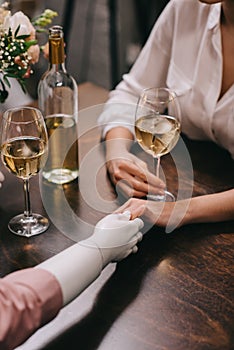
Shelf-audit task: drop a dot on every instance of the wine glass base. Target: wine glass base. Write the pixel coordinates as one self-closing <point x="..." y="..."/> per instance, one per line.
<point x="28" y="226"/>
<point x="60" y="176"/>
<point x="166" y="197"/>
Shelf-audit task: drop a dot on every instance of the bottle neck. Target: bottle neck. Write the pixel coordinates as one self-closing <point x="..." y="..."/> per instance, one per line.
<point x="57" y="67"/>
<point x="56" y="52"/>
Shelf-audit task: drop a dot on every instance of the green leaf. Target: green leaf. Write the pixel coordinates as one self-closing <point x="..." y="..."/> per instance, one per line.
<point x="30" y="43"/>
<point x="6" y="81"/>
<point x="41" y="30"/>
<point x="17" y="30"/>
<point x="10" y="75"/>
<point x="3" y="92"/>
<point x="22" y="84"/>
<point x="22" y="37"/>
<point x="3" y="95"/>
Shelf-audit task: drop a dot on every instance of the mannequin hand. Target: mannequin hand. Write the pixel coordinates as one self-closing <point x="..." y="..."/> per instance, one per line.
<point x="115" y="236"/>
<point x="1" y="178"/>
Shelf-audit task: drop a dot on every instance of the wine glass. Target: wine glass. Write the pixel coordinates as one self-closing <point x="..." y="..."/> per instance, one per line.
<point x="24" y="143"/>
<point x="157" y="127"/>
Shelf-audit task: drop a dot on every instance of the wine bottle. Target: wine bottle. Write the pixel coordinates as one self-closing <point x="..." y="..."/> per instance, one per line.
<point x="58" y="101"/>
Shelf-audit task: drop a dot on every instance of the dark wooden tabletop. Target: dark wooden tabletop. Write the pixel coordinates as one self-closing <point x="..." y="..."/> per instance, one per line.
<point x="176" y="293"/>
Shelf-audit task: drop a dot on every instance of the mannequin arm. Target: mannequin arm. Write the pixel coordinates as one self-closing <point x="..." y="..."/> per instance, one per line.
<point x="114" y="238"/>
<point x="75" y="268"/>
<point x="32" y="297"/>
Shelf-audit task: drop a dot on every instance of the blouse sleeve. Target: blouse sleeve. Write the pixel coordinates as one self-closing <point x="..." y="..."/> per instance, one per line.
<point x="149" y="70"/>
<point x="29" y="298"/>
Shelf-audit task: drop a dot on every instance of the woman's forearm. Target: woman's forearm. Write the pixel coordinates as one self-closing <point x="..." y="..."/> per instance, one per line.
<point x="118" y="140"/>
<point x="119" y="132"/>
<point x="211" y="208"/>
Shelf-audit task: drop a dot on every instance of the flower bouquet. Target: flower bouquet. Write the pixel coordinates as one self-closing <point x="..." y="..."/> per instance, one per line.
<point x="18" y="45"/>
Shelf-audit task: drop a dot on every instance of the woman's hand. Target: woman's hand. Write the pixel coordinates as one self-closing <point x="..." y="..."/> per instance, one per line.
<point x="132" y="177"/>
<point x="163" y="214"/>
<point x="157" y="213"/>
<point x="127" y="172"/>
<point x="214" y="207"/>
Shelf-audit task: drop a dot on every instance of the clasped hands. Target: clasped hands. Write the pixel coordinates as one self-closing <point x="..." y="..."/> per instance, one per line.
<point x="115" y="236"/>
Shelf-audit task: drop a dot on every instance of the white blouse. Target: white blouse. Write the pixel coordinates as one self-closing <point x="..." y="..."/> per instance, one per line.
<point x="184" y="53"/>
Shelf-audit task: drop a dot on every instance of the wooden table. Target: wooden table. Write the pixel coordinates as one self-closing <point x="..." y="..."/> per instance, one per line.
<point x="176" y="293"/>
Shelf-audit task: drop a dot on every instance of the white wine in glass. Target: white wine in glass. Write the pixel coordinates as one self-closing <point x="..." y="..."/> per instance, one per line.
<point x="24" y="143"/>
<point x="157" y="127"/>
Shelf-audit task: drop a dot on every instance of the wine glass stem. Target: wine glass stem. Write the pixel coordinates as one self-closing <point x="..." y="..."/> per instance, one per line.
<point x="157" y="165"/>
<point x="28" y="210"/>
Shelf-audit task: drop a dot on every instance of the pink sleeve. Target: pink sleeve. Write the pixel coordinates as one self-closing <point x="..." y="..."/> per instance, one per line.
<point x="28" y="299"/>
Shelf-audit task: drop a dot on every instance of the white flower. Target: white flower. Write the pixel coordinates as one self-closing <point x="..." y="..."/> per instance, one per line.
<point x="26" y="27"/>
<point x="5" y="15"/>
<point x="18" y="45"/>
